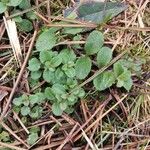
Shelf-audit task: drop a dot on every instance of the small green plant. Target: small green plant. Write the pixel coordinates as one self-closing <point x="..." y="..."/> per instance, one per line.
<point x="29" y="105"/>
<point x="33" y="136"/>
<point x="16" y="6"/>
<point x="4" y="136"/>
<point x="63" y="71"/>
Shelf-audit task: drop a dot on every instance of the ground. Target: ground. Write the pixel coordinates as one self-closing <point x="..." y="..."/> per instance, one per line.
<point x="106" y="113"/>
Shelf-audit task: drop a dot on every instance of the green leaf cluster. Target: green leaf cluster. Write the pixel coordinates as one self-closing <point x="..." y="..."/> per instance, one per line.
<point x="33" y="136"/>
<point x="29" y="105"/>
<point x="64" y="70"/>
<point x="24" y="23"/>
<point x="4" y="136"/>
<point x="58" y="70"/>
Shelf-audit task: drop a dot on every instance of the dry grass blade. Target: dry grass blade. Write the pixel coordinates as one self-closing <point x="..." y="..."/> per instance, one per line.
<point x="14" y="40"/>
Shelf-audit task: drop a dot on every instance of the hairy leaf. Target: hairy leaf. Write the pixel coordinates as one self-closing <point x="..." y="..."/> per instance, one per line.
<point x="94" y="42"/>
<point x="83" y="67"/>
<point x="104" y="80"/>
<point x="104" y="56"/>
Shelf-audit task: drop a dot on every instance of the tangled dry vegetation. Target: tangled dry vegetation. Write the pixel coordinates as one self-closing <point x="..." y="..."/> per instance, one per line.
<point x="101" y="120"/>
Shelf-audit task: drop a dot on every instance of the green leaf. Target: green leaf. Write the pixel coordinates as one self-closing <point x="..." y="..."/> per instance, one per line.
<point x="37" y="98"/>
<point x="3" y="7"/>
<point x="33" y="137"/>
<point x="31" y="15"/>
<point x="17" y="108"/>
<point x="49" y="94"/>
<point x="72" y="98"/>
<point x="46" y="40"/>
<point x="48" y="75"/>
<point x="26" y="102"/>
<point x="104" y="80"/>
<point x="36" y="112"/>
<point x="56" y="61"/>
<point x="104" y="56"/>
<point x="81" y="93"/>
<point x="14" y="2"/>
<point x="25" y="4"/>
<point x="18" y="101"/>
<point x="67" y="55"/>
<point x="25" y="110"/>
<point x="17" y="18"/>
<point x="25" y="25"/>
<point x="34" y="64"/>
<point x="36" y="74"/>
<point x="58" y="89"/>
<point x="95" y="12"/>
<point x="63" y="105"/>
<point x="72" y="82"/>
<point x="70" y="72"/>
<point x="56" y="109"/>
<point x="45" y="56"/>
<point x="124" y="80"/>
<point x="59" y="75"/>
<point x="83" y="67"/>
<point x="4" y="136"/>
<point x="94" y="42"/>
<point x="118" y="68"/>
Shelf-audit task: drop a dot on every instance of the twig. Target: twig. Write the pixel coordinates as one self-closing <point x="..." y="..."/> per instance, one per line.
<point x="73" y="25"/>
<point x="10" y="146"/>
<point x="67" y="138"/>
<point x="19" y="120"/>
<point x="97" y="120"/>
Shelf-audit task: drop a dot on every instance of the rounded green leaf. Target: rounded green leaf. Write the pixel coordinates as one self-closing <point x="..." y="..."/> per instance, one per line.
<point x="63" y="105"/>
<point x="125" y="80"/>
<point x="104" y="56"/>
<point x="56" y="61"/>
<point x="33" y="137"/>
<point x="94" y="42"/>
<point x="56" y="109"/>
<point x="25" y="25"/>
<point x="83" y="67"/>
<point x="14" y="2"/>
<point x="36" y="112"/>
<point x="104" y="80"/>
<point x="49" y="94"/>
<point x="36" y="74"/>
<point x="70" y="72"/>
<point x="45" y="56"/>
<point x="46" y="41"/>
<point x="18" y="101"/>
<point x="25" y="110"/>
<point x="3" y="7"/>
<point x="48" y="75"/>
<point x="25" y="4"/>
<point x="58" y="89"/>
<point x="31" y="15"/>
<point x="118" y="68"/>
<point x="81" y="93"/>
<point x="67" y="55"/>
<point x="34" y="64"/>
<point x="37" y="98"/>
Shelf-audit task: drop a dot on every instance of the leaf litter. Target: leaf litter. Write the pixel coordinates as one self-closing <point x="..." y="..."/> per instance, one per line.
<point x="108" y="119"/>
